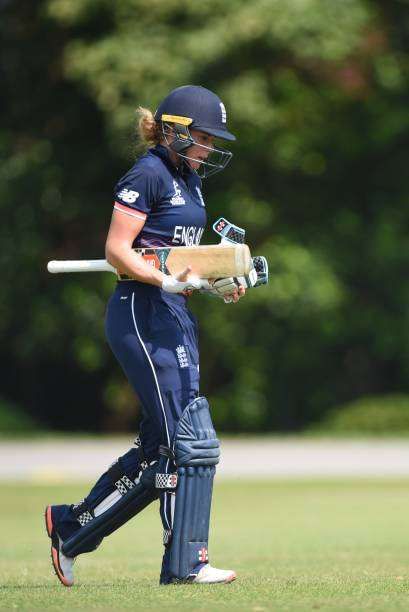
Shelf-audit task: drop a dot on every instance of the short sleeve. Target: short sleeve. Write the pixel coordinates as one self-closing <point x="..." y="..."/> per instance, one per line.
<point x="136" y="191"/>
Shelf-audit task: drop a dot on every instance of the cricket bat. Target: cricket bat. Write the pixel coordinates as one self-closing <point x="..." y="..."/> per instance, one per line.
<point x="208" y="261"/>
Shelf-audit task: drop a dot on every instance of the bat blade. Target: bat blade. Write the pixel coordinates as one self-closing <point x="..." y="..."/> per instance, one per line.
<point x="210" y="261"/>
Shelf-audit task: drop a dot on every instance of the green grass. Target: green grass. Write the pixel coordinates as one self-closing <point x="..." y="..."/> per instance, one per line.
<point x="295" y="546"/>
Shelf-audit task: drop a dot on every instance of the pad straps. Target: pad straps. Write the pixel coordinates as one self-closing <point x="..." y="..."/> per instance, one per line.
<point x="119" y="478"/>
<point x="122" y="480"/>
<point x="118" y="508"/>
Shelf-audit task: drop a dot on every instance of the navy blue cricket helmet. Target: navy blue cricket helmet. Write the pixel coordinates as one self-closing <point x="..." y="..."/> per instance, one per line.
<point x="198" y="108"/>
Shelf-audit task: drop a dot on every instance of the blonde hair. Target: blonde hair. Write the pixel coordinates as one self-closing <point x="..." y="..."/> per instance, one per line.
<point x="148" y="129"/>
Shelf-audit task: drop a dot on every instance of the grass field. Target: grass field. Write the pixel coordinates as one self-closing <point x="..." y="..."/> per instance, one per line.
<point x="295" y="546"/>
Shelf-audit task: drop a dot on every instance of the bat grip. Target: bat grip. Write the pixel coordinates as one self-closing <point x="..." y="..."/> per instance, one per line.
<point x="91" y="265"/>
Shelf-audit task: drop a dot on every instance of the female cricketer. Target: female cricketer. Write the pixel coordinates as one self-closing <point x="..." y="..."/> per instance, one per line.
<point x="154" y="337"/>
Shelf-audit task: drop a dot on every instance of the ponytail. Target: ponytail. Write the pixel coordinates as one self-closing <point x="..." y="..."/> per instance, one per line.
<point x="148" y="129"/>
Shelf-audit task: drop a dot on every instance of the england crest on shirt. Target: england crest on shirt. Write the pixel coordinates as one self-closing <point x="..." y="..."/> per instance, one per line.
<point x="177" y="199"/>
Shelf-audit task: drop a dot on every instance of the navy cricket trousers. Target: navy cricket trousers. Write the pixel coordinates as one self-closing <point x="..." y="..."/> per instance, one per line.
<point x="154" y="337"/>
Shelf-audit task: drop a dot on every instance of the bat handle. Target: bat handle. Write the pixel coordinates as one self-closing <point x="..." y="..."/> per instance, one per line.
<point x="90" y="265"/>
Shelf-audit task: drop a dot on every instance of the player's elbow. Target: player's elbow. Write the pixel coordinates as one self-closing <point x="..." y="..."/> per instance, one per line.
<point x="117" y="250"/>
<point x="111" y="252"/>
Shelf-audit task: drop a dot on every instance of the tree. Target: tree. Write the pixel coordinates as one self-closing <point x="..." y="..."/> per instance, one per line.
<point x="317" y="92"/>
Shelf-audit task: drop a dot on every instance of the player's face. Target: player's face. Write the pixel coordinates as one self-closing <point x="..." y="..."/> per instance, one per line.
<point x="197" y="151"/>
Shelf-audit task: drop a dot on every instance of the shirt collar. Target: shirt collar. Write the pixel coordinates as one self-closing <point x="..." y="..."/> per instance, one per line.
<point x="184" y="170"/>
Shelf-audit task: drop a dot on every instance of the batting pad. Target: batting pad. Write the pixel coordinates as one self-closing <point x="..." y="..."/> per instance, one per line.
<point x="101" y="526"/>
<point x="197" y="451"/>
<point x="133" y="501"/>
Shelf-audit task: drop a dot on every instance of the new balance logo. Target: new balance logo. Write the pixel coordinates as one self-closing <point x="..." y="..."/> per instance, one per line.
<point x="128" y="196"/>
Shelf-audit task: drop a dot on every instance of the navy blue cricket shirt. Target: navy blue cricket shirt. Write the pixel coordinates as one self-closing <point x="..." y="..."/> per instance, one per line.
<point x="170" y="200"/>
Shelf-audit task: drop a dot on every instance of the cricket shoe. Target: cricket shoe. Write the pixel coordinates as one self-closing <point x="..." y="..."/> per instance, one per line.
<point x="62" y="564"/>
<point x="211" y="575"/>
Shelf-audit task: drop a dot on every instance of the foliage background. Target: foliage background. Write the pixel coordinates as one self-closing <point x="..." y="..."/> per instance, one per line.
<point x="317" y="91"/>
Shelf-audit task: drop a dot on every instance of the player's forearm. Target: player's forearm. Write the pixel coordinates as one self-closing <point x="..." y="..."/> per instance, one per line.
<point x="124" y="259"/>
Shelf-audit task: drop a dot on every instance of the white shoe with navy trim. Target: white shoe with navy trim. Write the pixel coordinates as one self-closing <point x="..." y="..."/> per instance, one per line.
<point x="212" y="575"/>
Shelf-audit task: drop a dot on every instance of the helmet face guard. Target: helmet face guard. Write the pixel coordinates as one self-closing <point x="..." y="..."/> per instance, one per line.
<point x="179" y="139"/>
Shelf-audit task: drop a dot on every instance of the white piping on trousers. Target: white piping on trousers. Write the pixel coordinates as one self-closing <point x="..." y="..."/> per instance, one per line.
<point x="159" y="394"/>
<point x="172" y="506"/>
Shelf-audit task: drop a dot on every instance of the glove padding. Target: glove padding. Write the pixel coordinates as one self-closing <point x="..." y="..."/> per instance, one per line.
<point x="221" y="288"/>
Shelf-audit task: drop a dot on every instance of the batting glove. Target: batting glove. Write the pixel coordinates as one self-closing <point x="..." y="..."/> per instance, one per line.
<point x="173" y="285"/>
